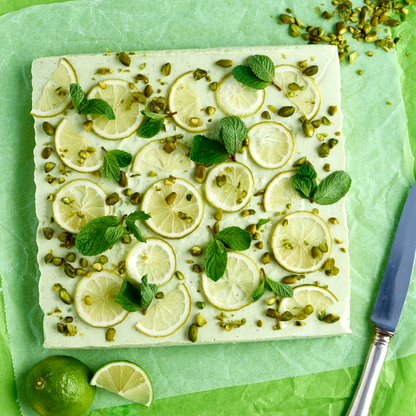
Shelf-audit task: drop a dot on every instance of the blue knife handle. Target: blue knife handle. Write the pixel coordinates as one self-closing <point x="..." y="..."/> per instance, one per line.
<point x="361" y="403"/>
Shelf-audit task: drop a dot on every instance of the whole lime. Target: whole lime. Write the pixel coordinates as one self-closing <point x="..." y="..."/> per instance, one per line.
<point x="60" y="386"/>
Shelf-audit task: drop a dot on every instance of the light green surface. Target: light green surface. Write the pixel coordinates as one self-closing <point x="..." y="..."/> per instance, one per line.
<point x="191" y="374"/>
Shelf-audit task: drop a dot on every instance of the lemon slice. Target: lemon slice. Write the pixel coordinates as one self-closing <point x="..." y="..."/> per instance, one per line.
<point x="270" y="144"/>
<point x="126" y="109"/>
<point x="102" y="288"/>
<point x="185" y="101"/>
<point x="167" y="315"/>
<point x="280" y="191"/>
<point x="152" y="157"/>
<point x="155" y="258"/>
<point x="303" y="231"/>
<point x="70" y="146"/>
<point x="77" y="203"/>
<point x="236" y="99"/>
<point x="126" y="379"/>
<point x="237" y="190"/>
<point x="304" y="295"/>
<point x="233" y="291"/>
<point x="55" y="95"/>
<point x="308" y="100"/>
<point x="178" y="219"/>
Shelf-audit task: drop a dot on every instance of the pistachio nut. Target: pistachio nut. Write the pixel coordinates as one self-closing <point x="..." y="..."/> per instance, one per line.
<point x="65" y="296"/>
<point x="310" y="71"/>
<point x="308" y="128"/>
<point x="299" y="162"/>
<point x="87" y="125"/>
<point x="285" y="223"/>
<point x="331" y="319"/>
<point x="171" y="198"/>
<point x="265" y="115"/>
<point x="287" y="19"/>
<point x="272" y="109"/>
<point x="80" y="272"/>
<point x="213" y="86"/>
<point x="326" y="121"/>
<point x="341" y="56"/>
<point x="200" y="320"/>
<point x="286" y="111"/>
<point x="46" y="152"/>
<point x="169" y="147"/>
<point x="68" y="319"/>
<point x="352" y="57"/>
<point x="327" y="167"/>
<point x="126" y="239"/>
<point x="289" y="280"/>
<point x="199" y="74"/>
<point x="69" y="270"/>
<point x="48" y="128"/>
<point x="252" y="228"/>
<point x="200" y="305"/>
<point x="57" y="261"/>
<point x="135" y="198"/>
<point x="221" y="180"/>
<point x="225" y="63"/>
<point x="329" y="264"/>
<point x="308" y="309"/>
<point x="196" y="268"/>
<point x="332" y="110"/>
<point x="334" y="271"/>
<point x="193" y="333"/>
<point x="139" y="97"/>
<point x="159" y="295"/>
<point x="126" y="192"/>
<point x="266" y="258"/>
<point x="83" y="262"/>
<point x="332" y="143"/>
<point x="217" y="227"/>
<point x="272" y="313"/>
<point x="371" y="37"/>
<point x="179" y="275"/>
<point x="260" y="323"/>
<point x="57" y="287"/>
<point x="166" y="69"/>
<point x="98" y="267"/>
<point x="256" y="236"/>
<point x="302" y="316"/>
<point x="109" y="335"/>
<point x="148" y="91"/>
<point x="259" y="245"/>
<point x="333" y="220"/>
<point x="97" y="174"/>
<point x="112" y="199"/>
<point x="194" y="121"/>
<point x="271" y="301"/>
<point x="87" y="300"/>
<point x="200" y="173"/>
<point x="392" y="22"/>
<point x="286" y="316"/>
<point x="210" y="110"/>
<point x="324" y="150"/>
<point x="218" y="215"/>
<point x="300" y="323"/>
<point x="316" y="252"/>
<point x="294" y="30"/>
<point x="341" y="28"/>
<point x="61" y="328"/>
<point x="48" y="233"/>
<point x="49" y="166"/>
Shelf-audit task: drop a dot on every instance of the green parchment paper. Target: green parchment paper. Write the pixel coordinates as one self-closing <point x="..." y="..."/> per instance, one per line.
<point x="376" y="144"/>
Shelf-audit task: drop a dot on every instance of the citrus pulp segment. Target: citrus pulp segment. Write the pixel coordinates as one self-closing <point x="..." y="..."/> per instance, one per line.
<point x="167" y="315"/>
<point x="179" y="218"/>
<point x="102" y="288"/>
<point x="55" y="96"/>
<point x="280" y="191"/>
<point x="74" y="150"/>
<point x="270" y="144"/>
<point x="155" y="258"/>
<point x="293" y="238"/>
<point x="307" y="98"/>
<point x="78" y="202"/>
<point x="233" y="190"/>
<point x="233" y="291"/>
<point x="237" y="99"/>
<point x="118" y="94"/>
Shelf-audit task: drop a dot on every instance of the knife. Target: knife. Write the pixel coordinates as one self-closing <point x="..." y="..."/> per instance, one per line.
<point x="389" y="304"/>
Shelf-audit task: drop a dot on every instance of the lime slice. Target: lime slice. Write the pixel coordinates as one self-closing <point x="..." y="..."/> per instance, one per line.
<point x="270" y="144"/>
<point x="237" y="190"/>
<point x="233" y="291"/>
<point x="280" y="191"/>
<point x="304" y="295"/>
<point x="185" y="101"/>
<point x="308" y="100"/>
<point x="77" y="203"/>
<point x="102" y="288"/>
<point x="72" y="149"/>
<point x="126" y="379"/>
<point x="167" y="315"/>
<point x="153" y="157"/>
<point x="156" y="258"/>
<point x="126" y="109"/>
<point x="178" y="219"/>
<point x="292" y="243"/>
<point x="236" y="99"/>
<point x="55" y="94"/>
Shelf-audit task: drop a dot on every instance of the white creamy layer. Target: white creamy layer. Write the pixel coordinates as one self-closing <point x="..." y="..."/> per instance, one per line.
<point x="328" y="81"/>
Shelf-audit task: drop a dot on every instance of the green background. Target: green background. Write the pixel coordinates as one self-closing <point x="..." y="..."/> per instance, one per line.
<point x="325" y="393"/>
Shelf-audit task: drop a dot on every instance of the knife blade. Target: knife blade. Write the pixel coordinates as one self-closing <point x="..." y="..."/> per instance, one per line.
<point x="389" y="304"/>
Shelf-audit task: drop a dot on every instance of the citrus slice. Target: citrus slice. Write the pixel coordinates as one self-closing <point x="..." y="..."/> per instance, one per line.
<point x="185" y="101"/>
<point x="233" y="291"/>
<point x="280" y="191"/>
<point x="270" y="144"/>
<point x="167" y="315"/>
<point x="178" y="219"/>
<point x="55" y="95"/>
<point x="292" y="242"/>
<point x="304" y="295"/>
<point x="237" y="190"/>
<point x="126" y="379"/>
<point x="308" y="98"/>
<point x="72" y="149"/>
<point x="236" y="99"/>
<point x="77" y="203"/>
<point x="153" y="157"/>
<point x="126" y="109"/>
<point x="102" y="288"/>
<point x="155" y="258"/>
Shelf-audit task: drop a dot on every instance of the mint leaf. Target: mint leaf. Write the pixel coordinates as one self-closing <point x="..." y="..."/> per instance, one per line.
<point x="128" y="297"/>
<point x="100" y="107"/>
<point x="232" y="134"/>
<point x="216" y="260"/>
<point x="91" y="239"/>
<point x="150" y="127"/>
<point x="243" y="74"/>
<point x="262" y="221"/>
<point x="332" y="188"/>
<point x="207" y="151"/>
<point x="263" y="67"/>
<point x="112" y="234"/>
<point x="138" y="216"/>
<point x="111" y="168"/>
<point x="281" y="289"/>
<point x="153" y="116"/>
<point x="77" y="96"/>
<point x="258" y="293"/>
<point x="236" y="238"/>
<point x="147" y="293"/>
<point x="130" y="222"/>
<point x="123" y="158"/>
<point x="304" y="181"/>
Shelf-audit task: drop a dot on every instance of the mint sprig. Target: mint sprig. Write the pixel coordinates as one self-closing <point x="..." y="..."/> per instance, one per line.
<point x="114" y="160"/>
<point x="334" y="187"/>
<point x="235" y="238"/>
<point x="207" y="151"/>
<point x="232" y="134"/>
<point x="281" y="289"/>
<point x="83" y="105"/>
<point x="152" y="124"/>
<point x="258" y="74"/>
<point x="100" y="234"/>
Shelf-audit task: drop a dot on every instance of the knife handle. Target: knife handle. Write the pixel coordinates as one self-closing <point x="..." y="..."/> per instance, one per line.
<point x="363" y="397"/>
